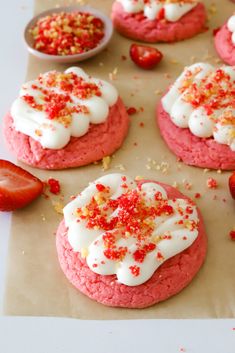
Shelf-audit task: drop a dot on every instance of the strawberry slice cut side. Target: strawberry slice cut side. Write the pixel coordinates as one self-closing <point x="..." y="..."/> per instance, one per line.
<point x="18" y="187"/>
<point x="232" y="185"/>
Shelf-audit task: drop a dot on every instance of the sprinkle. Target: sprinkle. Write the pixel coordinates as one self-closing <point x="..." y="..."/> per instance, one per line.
<point x="197" y="195"/>
<point x="123" y="57"/>
<point x="135" y="270"/>
<point x="160" y="256"/>
<point x="141" y="124"/>
<point x="54" y="186"/>
<point x="131" y="111"/>
<point x="232" y="234"/>
<point x="211" y="183"/>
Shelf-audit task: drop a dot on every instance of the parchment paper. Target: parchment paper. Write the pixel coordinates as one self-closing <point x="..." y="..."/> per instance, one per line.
<point x="35" y="284"/>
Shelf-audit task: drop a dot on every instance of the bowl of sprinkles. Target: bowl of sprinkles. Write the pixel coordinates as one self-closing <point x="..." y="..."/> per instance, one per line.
<point x="68" y="34"/>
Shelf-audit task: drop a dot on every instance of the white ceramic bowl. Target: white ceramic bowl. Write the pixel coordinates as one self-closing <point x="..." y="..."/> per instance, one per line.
<point x="108" y="29"/>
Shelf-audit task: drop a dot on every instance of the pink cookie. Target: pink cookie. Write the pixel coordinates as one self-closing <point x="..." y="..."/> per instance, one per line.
<point x="192" y="150"/>
<point x="137" y="26"/>
<point x="169" y="279"/>
<point x="101" y="140"/>
<point x="224" y="46"/>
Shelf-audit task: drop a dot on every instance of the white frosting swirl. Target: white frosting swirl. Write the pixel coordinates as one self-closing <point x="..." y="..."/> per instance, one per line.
<point x="30" y="110"/>
<point x="231" y="27"/>
<point x="165" y="233"/>
<point x="173" y="10"/>
<point x="214" y="116"/>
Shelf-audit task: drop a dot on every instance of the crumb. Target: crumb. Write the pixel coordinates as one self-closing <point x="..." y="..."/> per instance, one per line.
<point x="113" y="75"/>
<point x="43" y="217"/>
<point x="106" y="162"/>
<point x="188" y="186"/>
<point x="212" y="9"/>
<point x="174" y="61"/>
<point x="167" y="75"/>
<point x="158" y="92"/>
<point x="120" y="167"/>
<point x="58" y="207"/>
<point x="138" y="177"/>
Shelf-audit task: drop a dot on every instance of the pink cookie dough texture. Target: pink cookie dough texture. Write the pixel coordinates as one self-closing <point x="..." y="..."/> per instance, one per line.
<point x="224" y="46"/>
<point x="169" y="279"/>
<point x="100" y="141"/>
<point x="136" y="26"/>
<point x="193" y="150"/>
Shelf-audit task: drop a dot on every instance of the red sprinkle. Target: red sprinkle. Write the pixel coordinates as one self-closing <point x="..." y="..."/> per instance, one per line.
<point x="135" y="270"/>
<point x="212" y="183"/>
<point x="232" y="235"/>
<point x="197" y="195"/>
<point x="100" y="187"/>
<point x="131" y="111"/>
<point x="54" y="186"/>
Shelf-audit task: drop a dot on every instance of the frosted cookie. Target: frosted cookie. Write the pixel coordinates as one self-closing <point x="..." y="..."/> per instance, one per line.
<point x="196" y="116"/>
<point x="158" y="20"/>
<point x="130" y="244"/>
<point x="64" y="120"/>
<point x="225" y="41"/>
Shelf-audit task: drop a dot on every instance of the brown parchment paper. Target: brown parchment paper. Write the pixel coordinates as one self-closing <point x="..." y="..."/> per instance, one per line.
<point x="35" y="285"/>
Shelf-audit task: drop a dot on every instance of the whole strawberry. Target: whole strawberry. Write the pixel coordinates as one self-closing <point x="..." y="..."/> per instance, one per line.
<point x="144" y="56"/>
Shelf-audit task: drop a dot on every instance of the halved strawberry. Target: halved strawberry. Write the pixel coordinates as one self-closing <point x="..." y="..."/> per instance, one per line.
<point x="144" y="56"/>
<point x="17" y="186"/>
<point x="232" y="185"/>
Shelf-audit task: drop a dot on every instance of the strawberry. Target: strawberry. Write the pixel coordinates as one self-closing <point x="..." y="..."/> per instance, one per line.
<point x="232" y="185"/>
<point x="17" y="186"/>
<point x="145" y="57"/>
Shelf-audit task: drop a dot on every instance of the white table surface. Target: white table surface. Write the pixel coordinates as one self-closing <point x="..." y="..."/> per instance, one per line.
<point x="49" y="335"/>
<point x="13" y="60"/>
